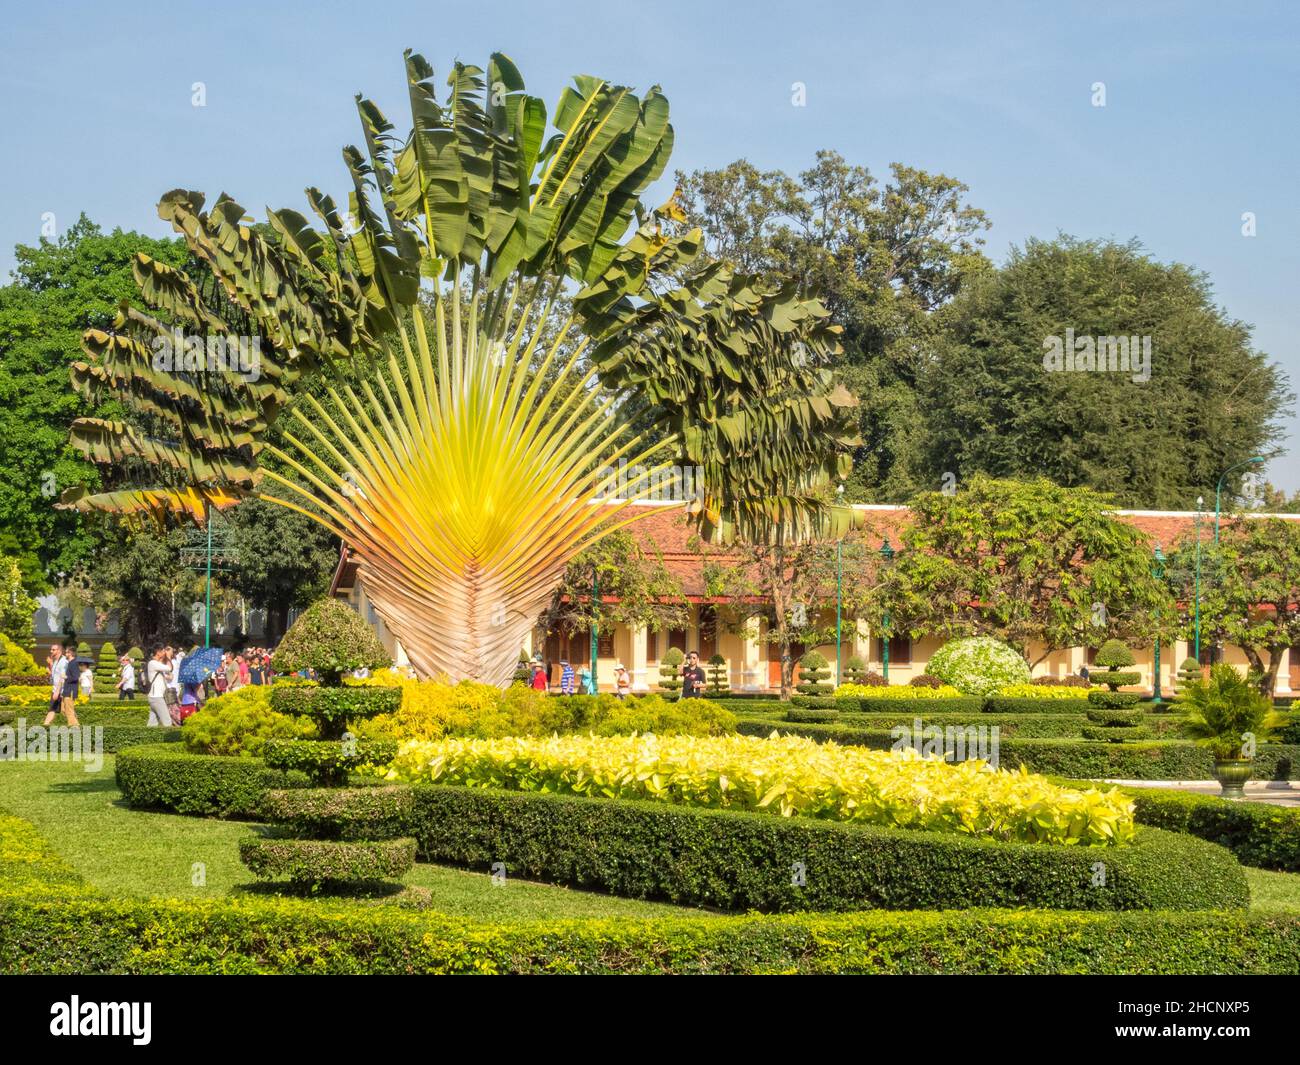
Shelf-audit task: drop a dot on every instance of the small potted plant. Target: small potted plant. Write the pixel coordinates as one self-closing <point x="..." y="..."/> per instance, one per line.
<point x="1228" y="715"/>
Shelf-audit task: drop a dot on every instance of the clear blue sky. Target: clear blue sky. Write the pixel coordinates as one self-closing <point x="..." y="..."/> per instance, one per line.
<point x="1200" y="123"/>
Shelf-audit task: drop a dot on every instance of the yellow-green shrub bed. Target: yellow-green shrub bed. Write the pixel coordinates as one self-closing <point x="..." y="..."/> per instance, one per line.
<point x="787" y="775"/>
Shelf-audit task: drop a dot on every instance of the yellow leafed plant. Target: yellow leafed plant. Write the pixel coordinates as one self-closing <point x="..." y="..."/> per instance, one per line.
<point x="788" y="775"/>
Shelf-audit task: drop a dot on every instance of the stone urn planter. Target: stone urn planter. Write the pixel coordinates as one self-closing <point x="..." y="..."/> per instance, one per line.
<point x="1232" y="774"/>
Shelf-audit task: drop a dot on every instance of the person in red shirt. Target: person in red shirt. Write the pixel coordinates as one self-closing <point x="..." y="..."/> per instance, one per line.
<point x="539" y="677"/>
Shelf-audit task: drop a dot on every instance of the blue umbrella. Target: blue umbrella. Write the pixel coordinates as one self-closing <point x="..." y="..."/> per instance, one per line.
<point x="200" y="665"/>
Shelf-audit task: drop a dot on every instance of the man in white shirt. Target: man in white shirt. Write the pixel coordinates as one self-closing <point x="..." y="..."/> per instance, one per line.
<point x="126" y="686"/>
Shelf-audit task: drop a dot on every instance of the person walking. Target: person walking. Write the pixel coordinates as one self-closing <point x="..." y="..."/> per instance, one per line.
<point x="54" y="662"/>
<point x="71" y="685"/>
<point x="566" y="678"/>
<point x="157" y="677"/>
<point x="692" y="677"/>
<point x="126" y="680"/>
<point x="86" y="681"/>
<point x="539" y="677"/>
<point x="584" y="680"/>
<point x="622" y="681"/>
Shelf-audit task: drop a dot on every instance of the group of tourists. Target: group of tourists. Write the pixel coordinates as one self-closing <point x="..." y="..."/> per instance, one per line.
<point x="583" y="681"/>
<point x="170" y="700"/>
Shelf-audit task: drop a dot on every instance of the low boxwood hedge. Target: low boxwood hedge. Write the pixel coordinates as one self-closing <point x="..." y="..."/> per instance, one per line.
<point x="1259" y="834"/>
<point x="369" y="813"/>
<point x="736" y="860"/>
<point x="1154" y="760"/>
<point x="120" y="737"/>
<point x="51" y="922"/>
<point x="325" y="861"/>
<point x="170" y="778"/>
<point x="870" y="704"/>
<point x="998" y="704"/>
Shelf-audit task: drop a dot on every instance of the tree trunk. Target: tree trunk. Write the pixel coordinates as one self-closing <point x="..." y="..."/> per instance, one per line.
<point x="1268" y="685"/>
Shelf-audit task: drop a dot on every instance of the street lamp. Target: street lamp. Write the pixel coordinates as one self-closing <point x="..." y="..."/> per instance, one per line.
<point x="1200" y="502"/>
<point x="1158" y="573"/>
<point x="886" y="557"/>
<point x="1254" y="460"/>
<point x="839" y="594"/>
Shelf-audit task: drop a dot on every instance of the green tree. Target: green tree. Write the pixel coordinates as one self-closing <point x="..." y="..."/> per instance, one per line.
<point x="883" y="258"/>
<point x="1249" y="590"/>
<point x="16" y="606"/>
<point x="1211" y="400"/>
<point x="1028" y="562"/>
<point x="59" y="289"/>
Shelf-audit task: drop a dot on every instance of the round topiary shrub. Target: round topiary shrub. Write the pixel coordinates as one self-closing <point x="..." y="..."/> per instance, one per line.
<point x="814" y="687"/>
<point x="855" y="670"/>
<point x="979" y="665"/>
<point x="332" y="639"/>
<point x="926" y="680"/>
<point x="1112" y="712"/>
<point x="106" y="668"/>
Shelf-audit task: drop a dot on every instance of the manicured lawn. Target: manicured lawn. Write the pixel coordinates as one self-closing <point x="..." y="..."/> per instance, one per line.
<point x="1273" y="891"/>
<point x="129" y="852"/>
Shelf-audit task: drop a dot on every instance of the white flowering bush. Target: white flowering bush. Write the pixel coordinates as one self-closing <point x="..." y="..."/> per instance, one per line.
<point x="979" y="665"/>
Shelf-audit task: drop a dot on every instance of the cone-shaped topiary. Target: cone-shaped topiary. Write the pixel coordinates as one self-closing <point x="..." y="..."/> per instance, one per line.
<point x="718" y="684"/>
<point x="331" y="835"/>
<point x="106" y="669"/>
<point x="1189" y="673"/>
<point x="854" y="670"/>
<point x="1112" y="712"/>
<point x="670" y="672"/>
<point x="332" y="639"/>
<point x="814" y="687"/>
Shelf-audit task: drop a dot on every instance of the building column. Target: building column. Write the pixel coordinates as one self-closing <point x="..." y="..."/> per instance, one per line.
<point x="1284" y="675"/>
<point x="751" y="658"/>
<point x="637" y="655"/>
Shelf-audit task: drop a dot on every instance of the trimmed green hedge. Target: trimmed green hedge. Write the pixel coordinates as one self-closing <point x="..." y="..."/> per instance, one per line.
<point x="118" y="738"/>
<point x="323" y="861"/>
<point x="1259" y="834"/>
<point x="335" y="705"/>
<point x="51" y="922"/>
<point x="1155" y="760"/>
<point x="869" y="704"/>
<point x="737" y="860"/>
<point x="368" y="813"/>
<point x="170" y="778"/>
<point x="998" y="704"/>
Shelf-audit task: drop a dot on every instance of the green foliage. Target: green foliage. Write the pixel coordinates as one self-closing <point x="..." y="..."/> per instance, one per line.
<point x="855" y="671"/>
<point x="670" y="668"/>
<point x="866" y="704"/>
<point x="978" y="665"/>
<point x="679" y="717"/>
<point x="326" y="762"/>
<point x="1259" y="834"/>
<point x="926" y="680"/>
<point x="738" y="861"/>
<point x="333" y="708"/>
<point x="1189" y="673"/>
<point x="815" y="687"/>
<point x="1025" y="562"/>
<point x="239" y="723"/>
<point x="1226" y="714"/>
<point x="318" y="862"/>
<point x="1249" y="592"/>
<point x="106" y="669"/>
<point x="332" y="639"/>
<point x="351" y="814"/>
<point x="1157" y="760"/>
<point x="16" y="606"/>
<point x="1114" y="655"/>
<point x="991" y="409"/>
<point x="16" y="662"/>
<point x="164" y="777"/>
<point x="719" y="683"/>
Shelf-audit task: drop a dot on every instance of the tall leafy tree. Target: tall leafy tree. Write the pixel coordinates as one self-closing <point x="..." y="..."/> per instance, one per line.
<point x="59" y="289"/>
<point x="1249" y="590"/>
<point x="1211" y="400"/>
<point x="883" y="257"/>
<point x="1036" y="565"/>
<point x="458" y="466"/>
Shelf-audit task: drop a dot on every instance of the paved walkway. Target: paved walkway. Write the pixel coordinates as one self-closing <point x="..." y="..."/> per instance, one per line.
<point x="1279" y="793"/>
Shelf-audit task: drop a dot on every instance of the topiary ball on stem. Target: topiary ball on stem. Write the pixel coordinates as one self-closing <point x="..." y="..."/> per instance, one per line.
<point x="332" y="639"/>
